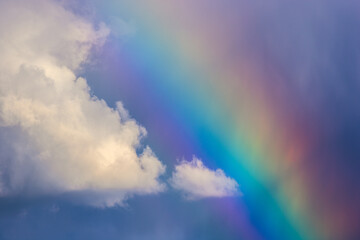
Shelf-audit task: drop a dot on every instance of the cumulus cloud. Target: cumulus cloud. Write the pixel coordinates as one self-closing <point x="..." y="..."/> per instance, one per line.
<point x="197" y="181"/>
<point x="55" y="136"/>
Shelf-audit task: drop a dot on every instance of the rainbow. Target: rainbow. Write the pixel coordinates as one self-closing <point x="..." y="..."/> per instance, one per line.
<point x="228" y="112"/>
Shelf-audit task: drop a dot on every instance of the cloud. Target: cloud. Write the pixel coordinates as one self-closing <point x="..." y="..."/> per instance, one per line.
<point x="198" y="181"/>
<point x="55" y="136"/>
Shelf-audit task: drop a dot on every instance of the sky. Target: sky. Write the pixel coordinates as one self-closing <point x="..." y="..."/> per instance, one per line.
<point x="179" y="120"/>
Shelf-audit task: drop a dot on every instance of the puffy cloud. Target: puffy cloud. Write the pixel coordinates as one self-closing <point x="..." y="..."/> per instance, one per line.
<point x="198" y="181"/>
<point x="55" y="136"/>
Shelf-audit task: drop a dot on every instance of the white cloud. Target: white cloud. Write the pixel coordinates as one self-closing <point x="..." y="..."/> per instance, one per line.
<point x="55" y="136"/>
<point x="197" y="181"/>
